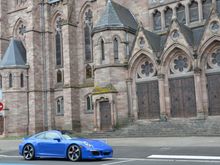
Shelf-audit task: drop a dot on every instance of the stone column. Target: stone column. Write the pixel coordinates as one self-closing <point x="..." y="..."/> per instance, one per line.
<point x="198" y="93"/>
<point x="200" y="10"/>
<point x="187" y="14"/>
<point x="163" y="115"/>
<point x="162" y="20"/>
<point x="130" y="111"/>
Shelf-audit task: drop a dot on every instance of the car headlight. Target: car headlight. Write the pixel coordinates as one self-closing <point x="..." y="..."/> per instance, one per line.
<point x="87" y="144"/>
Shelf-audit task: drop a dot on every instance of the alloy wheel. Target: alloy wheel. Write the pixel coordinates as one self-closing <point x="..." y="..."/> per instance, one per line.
<point x="28" y="152"/>
<point x="74" y="153"/>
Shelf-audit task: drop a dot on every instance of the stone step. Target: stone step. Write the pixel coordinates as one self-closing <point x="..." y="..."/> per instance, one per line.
<point x="172" y="127"/>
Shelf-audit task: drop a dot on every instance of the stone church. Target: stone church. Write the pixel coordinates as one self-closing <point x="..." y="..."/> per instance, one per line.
<point x="91" y="65"/>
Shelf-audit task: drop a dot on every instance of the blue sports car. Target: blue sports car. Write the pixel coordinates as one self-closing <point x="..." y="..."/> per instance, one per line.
<point x="56" y="144"/>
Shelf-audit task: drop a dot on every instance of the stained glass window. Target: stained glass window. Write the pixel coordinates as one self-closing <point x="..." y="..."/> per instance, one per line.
<point x="58" y="41"/>
<point x="157" y="20"/>
<point x="115" y="49"/>
<point x="22" y="80"/>
<point x="87" y="36"/>
<point x="216" y="58"/>
<point x="180" y="63"/>
<point x="218" y="5"/>
<point x="88" y="72"/>
<point x="10" y="81"/>
<point x="59" y="106"/>
<point x="103" y="49"/>
<point x="193" y="11"/>
<point x="206" y="8"/>
<point x="0" y="81"/>
<point x="59" y="76"/>
<point x="168" y="16"/>
<point x="180" y="13"/>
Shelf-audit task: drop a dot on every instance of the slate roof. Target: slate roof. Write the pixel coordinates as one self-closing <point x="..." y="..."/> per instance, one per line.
<point x="154" y="40"/>
<point x="15" y="55"/>
<point x="116" y="16"/>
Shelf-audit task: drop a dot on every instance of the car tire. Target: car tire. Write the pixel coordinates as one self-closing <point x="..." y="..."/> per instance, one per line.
<point x="74" y="153"/>
<point x="28" y="152"/>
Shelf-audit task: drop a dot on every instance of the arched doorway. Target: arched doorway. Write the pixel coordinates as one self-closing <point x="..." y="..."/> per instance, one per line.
<point x="1" y="125"/>
<point x="147" y="90"/>
<point x="213" y="81"/>
<point x="105" y="115"/>
<point x="181" y="86"/>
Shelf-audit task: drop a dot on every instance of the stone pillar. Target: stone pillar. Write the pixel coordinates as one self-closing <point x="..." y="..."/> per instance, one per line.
<point x="71" y="78"/>
<point x="200" y="10"/>
<point x="187" y="14"/>
<point x="130" y="111"/>
<point x="162" y="20"/>
<point x="198" y="93"/>
<point x="161" y="79"/>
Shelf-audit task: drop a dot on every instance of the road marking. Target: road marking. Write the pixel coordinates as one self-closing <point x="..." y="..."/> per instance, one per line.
<point x="124" y="161"/>
<point x="7" y="156"/>
<point x="184" y="157"/>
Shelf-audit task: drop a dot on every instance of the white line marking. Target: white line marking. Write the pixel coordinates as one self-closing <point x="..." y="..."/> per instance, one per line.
<point x="184" y="157"/>
<point x="124" y="161"/>
<point x="7" y="156"/>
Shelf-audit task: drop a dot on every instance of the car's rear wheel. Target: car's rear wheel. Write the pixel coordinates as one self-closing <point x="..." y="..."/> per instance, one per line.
<point x="28" y="152"/>
<point x="74" y="153"/>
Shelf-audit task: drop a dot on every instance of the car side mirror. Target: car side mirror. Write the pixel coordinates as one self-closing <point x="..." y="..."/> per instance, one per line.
<point x="57" y="139"/>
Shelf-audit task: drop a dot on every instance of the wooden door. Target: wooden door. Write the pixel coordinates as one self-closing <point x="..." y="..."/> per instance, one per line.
<point x="1" y="125"/>
<point x="182" y="94"/>
<point x="148" y="100"/>
<point x="214" y="93"/>
<point x="105" y="115"/>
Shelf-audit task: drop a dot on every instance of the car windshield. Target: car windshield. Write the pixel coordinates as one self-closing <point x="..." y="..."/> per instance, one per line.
<point x="67" y="137"/>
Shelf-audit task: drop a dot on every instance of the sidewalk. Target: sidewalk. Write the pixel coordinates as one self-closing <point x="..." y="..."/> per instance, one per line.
<point x="12" y="145"/>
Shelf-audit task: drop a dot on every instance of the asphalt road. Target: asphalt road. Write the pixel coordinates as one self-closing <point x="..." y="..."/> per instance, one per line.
<point x="135" y="151"/>
<point x="134" y="156"/>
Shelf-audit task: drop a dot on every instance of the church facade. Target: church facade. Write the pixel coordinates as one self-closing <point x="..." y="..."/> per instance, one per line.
<point x="91" y="65"/>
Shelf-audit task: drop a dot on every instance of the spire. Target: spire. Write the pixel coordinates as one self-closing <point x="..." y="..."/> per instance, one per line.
<point x="116" y="16"/>
<point x="15" y="54"/>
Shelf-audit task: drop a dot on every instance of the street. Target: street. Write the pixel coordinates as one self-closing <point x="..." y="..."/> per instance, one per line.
<point x="143" y="151"/>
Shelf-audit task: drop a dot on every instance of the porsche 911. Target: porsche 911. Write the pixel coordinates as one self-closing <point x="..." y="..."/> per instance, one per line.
<point x="56" y="144"/>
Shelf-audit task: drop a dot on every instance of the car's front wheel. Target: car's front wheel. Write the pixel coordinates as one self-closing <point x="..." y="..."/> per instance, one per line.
<point x="74" y="153"/>
<point x="28" y="152"/>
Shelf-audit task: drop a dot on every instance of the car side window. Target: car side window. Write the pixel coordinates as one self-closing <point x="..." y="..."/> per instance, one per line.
<point x="40" y="136"/>
<point x="51" y="135"/>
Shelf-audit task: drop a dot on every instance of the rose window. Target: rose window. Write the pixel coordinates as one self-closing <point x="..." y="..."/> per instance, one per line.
<point x="180" y="64"/>
<point x="146" y="69"/>
<point x="216" y="58"/>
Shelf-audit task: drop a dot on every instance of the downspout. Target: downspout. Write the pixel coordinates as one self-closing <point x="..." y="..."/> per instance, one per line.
<point x="42" y="27"/>
<point x="28" y="108"/>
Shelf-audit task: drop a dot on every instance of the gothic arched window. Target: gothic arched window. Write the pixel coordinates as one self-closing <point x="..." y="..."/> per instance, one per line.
<point x="0" y="81"/>
<point x="218" y="5"/>
<point x="59" y="106"/>
<point x="193" y="11"/>
<point x="180" y="13"/>
<point x="22" y="80"/>
<point x="168" y="16"/>
<point x="102" y="49"/>
<point x="59" y="76"/>
<point x="58" y="41"/>
<point x="87" y="36"/>
<point x="10" y="81"/>
<point x="206" y="8"/>
<point x="88" y="72"/>
<point x="157" y="20"/>
<point x="89" y="103"/>
<point x="115" y="45"/>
